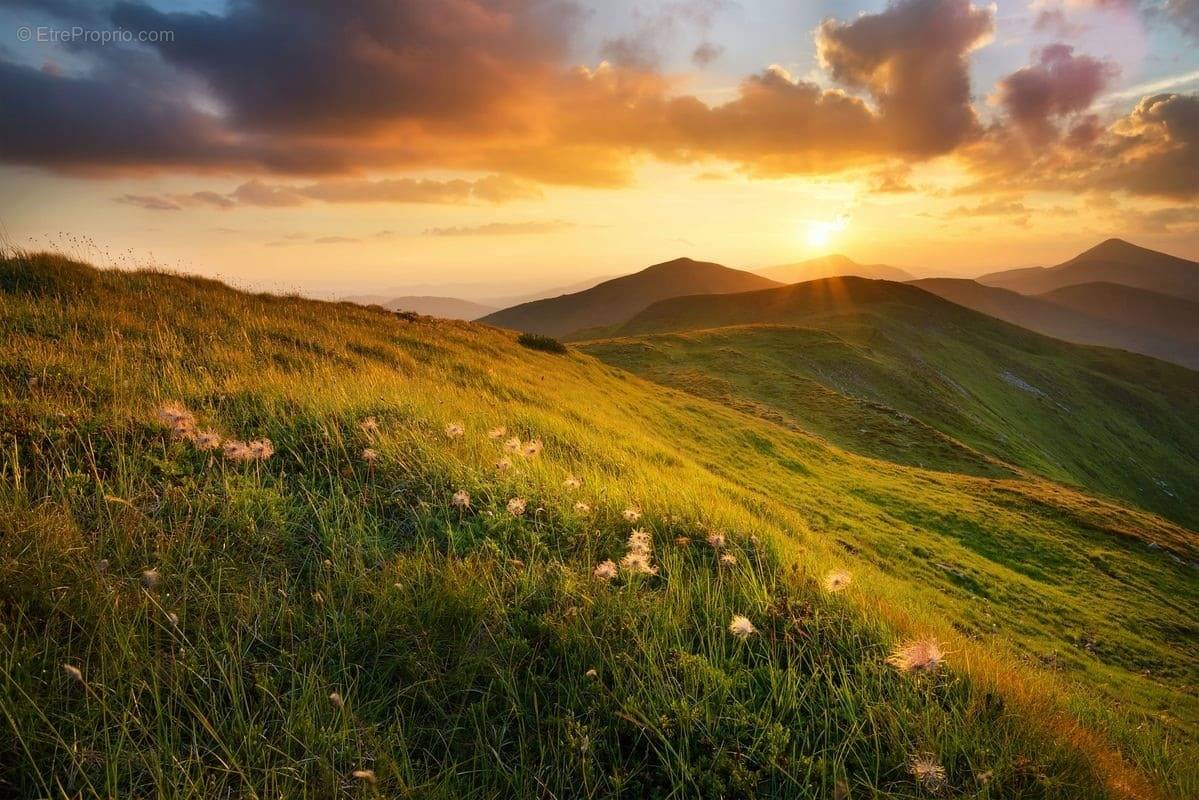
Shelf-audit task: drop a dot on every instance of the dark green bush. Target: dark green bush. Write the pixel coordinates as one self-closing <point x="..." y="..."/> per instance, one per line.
<point x="535" y="341"/>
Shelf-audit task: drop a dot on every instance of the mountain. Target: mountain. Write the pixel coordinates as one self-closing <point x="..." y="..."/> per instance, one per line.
<point x="1113" y="261"/>
<point x="614" y="301"/>
<point x="506" y="301"/>
<point x="829" y="267"/>
<point x="443" y="307"/>
<point x="1106" y="314"/>
<point x="835" y="354"/>
<point x="180" y="623"/>
<point x="1138" y="309"/>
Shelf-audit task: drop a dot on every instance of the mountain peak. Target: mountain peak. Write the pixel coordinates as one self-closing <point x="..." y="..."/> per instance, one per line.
<point x="1111" y="249"/>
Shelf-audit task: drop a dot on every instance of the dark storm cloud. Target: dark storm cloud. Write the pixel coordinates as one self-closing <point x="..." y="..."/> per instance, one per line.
<point x="325" y="93"/>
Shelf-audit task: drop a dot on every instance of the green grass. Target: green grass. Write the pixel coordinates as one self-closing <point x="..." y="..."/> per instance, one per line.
<point x="890" y="371"/>
<point x="462" y="640"/>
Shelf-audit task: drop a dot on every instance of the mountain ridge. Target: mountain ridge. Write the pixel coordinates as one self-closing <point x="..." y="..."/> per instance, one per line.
<point x="1111" y="261"/>
<point x="615" y="300"/>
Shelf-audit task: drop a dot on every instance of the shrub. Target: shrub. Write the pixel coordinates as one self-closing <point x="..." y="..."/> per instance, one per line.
<point x="535" y="341"/>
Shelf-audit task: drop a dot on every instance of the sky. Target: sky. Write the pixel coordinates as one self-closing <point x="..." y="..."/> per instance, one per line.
<point x="478" y="148"/>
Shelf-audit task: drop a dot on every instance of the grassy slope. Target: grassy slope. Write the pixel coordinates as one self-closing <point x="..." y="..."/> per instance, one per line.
<point x="461" y="641"/>
<point x="1114" y="422"/>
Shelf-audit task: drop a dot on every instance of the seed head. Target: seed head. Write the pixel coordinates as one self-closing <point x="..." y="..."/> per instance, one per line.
<point x="837" y="580"/>
<point x="741" y="627"/>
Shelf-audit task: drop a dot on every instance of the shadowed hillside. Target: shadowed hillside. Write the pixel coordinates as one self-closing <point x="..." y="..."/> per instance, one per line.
<point x="1115" y="422"/>
<point x="1159" y="314"/>
<point x="1106" y="314"/>
<point x="264" y="546"/>
<point x="1113" y="261"/>
<point x="614" y="301"/>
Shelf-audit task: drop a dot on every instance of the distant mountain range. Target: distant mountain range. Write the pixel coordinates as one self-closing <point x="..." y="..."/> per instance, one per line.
<point x="1106" y="314"/>
<point x="614" y="301"/>
<point x="1113" y="261"/>
<point x="444" y="307"/>
<point x="832" y="266"/>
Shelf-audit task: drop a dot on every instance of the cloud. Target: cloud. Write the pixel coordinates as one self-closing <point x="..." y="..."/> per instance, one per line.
<point x="149" y="202"/>
<point x="1057" y="85"/>
<point x="912" y="60"/>
<point x="332" y="91"/>
<point x="1154" y="150"/>
<point x="502" y="229"/>
<point x="991" y="208"/>
<point x="494" y="189"/>
<point x="705" y="53"/>
<point x="1185" y="14"/>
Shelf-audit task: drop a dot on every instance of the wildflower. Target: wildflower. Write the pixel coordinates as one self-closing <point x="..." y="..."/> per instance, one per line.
<point x="638" y="563"/>
<point x="336" y="700"/>
<point x="365" y="775"/>
<point x="837" y="580"/>
<point x="631" y="514"/>
<point x="73" y="671"/>
<point x="728" y="560"/>
<point x="682" y="541"/>
<point x="572" y="482"/>
<point x="591" y="673"/>
<point x="503" y="465"/>
<point x="605" y="570"/>
<point x="181" y="421"/>
<point x="640" y="540"/>
<point x="516" y="506"/>
<point x="237" y="451"/>
<point x="512" y="445"/>
<point x="151" y="578"/>
<point x="207" y="440"/>
<point x="582" y="508"/>
<point x="497" y="433"/>
<point x="369" y="426"/>
<point x="532" y="449"/>
<point x="261" y="449"/>
<point x="370" y="455"/>
<point x="454" y="430"/>
<point x="741" y="627"/>
<point x="925" y="769"/>
<point x="917" y="655"/>
<point x="461" y="499"/>
<point x="716" y="540"/>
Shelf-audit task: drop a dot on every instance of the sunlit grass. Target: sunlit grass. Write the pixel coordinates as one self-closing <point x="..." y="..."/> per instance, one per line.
<point x="325" y="623"/>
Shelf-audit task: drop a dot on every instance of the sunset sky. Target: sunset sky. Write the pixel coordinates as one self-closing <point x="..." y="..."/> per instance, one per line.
<point x="473" y="147"/>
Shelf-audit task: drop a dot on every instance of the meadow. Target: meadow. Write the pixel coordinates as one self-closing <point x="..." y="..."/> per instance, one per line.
<point x="261" y="546"/>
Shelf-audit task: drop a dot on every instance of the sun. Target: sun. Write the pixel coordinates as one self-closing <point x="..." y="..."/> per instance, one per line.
<point x="822" y="232"/>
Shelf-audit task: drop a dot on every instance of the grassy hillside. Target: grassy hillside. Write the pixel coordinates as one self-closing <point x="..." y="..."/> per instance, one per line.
<point x="614" y="301"/>
<point x="335" y="618"/>
<point x="1112" y="261"/>
<point x="1116" y="423"/>
<point x="1105" y="314"/>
